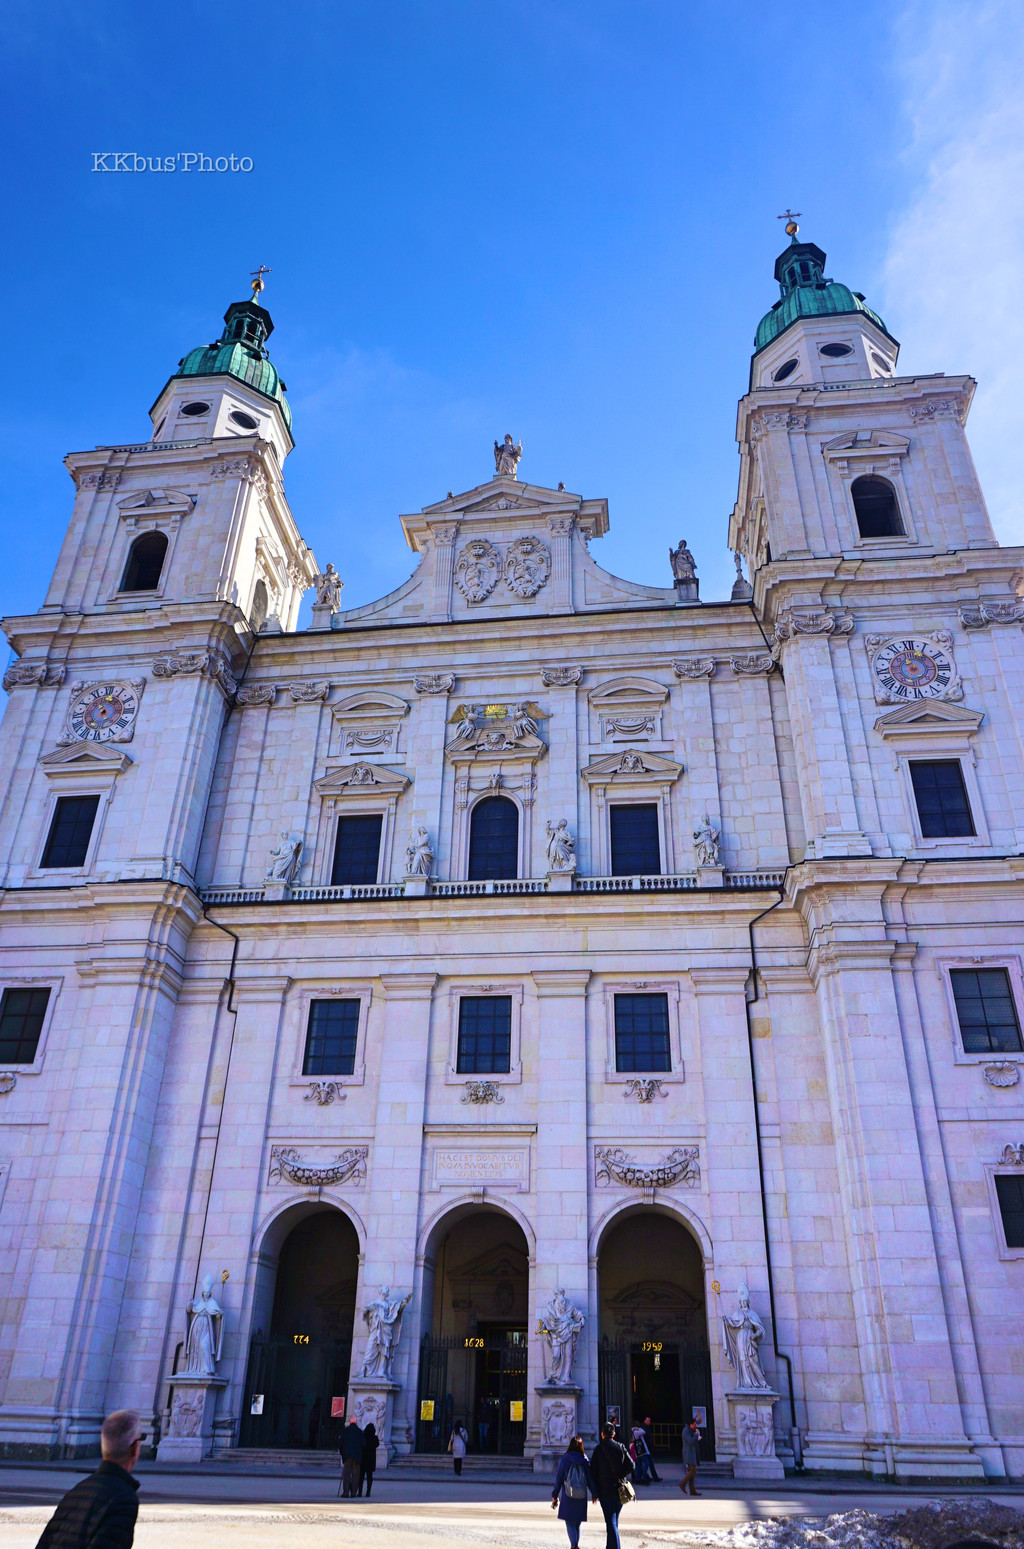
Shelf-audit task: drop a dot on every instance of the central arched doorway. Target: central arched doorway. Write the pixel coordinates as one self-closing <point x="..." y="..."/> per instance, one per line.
<point x="653" y="1356"/>
<point x="473" y="1354"/>
<point x="299" y="1361"/>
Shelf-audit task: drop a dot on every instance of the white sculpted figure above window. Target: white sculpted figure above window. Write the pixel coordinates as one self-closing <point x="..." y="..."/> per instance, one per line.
<point x="561" y="1324"/>
<point x="382" y="1318"/>
<point x="743" y="1332"/>
<point x="205" y="1318"/>
<point x="284" y="858"/>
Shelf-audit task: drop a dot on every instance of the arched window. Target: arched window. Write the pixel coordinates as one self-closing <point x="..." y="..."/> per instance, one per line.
<point x="145" y="562"/>
<point x="874" y="501"/>
<point x="260" y="604"/>
<point x="494" y="840"/>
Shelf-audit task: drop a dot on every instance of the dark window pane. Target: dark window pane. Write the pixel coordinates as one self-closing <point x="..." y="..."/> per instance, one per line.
<point x="874" y="502"/>
<point x="641" y="1033"/>
<point x="941" y="798"/>
<point x="331" y="1038"/>
<point x="70" y="831"/>
<point x="985" y="1010"/>
<point x="357" y="849"/>
<point x="145" y="562"/>
<point x="1010" y="1193"/>
<point x="21" y="1022"/>
<point x="485" y="1034"/>
<point x="494" y="840"/>
<point x="636" y="849"/>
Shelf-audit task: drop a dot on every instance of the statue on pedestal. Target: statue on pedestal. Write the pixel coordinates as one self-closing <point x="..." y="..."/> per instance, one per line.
<point x="419" y="856"/>
<point x="328" y="589"/>
<point x="684" y="566"/>
<point x="744" y="1331"/>
<point x="506" y="457"/>
<point x="705" y="843"/>
<point x="284" y="858"/>
<point x="205" y="1319"/>
<point x="561" y="847"/>
<point x="561" y="1324"/>
<point x="382" y="1318"/>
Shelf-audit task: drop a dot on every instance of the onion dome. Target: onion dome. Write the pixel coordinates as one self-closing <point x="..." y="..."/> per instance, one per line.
<point x="241" y="352"/>
<point x="806" y="293"/>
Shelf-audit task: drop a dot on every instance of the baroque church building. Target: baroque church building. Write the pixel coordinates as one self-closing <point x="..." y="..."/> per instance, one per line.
<point x="474" y="1005"/>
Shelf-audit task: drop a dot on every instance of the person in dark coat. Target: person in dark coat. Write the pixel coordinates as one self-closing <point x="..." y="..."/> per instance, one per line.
<point x="691" y="1457"/>
<point x="610" y="1463"/>
<point x="100" y="1511"/>
<point x="351" y="1457"/>
<point x="573" y="1483"/>
<point x="370" y="1444"/>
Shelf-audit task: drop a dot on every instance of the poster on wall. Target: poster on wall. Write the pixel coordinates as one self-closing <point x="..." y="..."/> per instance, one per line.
<point x="426" y="1409"/>
<point x="613" y="1414"/>
<point x="256" y="1407"/>
<point x="337" y="1408"/>
<point x="516" y="1407"/>
<point x="700" y="1414"/>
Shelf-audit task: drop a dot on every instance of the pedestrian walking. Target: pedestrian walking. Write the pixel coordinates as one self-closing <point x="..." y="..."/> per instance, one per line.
<point x="574" y="1482"/>
<point x="351" y="1457"/>
<point x="611" y="1467"/>
<point x="649" y="1439"/>
<point x="691" y="1457"/>
<point x="371" y="1442"/>
<point x="458" y="1441"/>
<point x="641" y="1455"/>
<point x="100" y="1511"/>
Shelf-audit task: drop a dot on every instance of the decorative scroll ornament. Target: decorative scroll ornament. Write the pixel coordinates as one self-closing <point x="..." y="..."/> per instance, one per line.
<point x="822" y="621"/>
<point x="348" y="1167"/>
<point x="257" y="694"/>
<point x="982" y="614"/>
<point x="1012" y="1156"/>
<point x="323" y="1093"/>
<point x="695" y="667"/>
<point x="750" y="666"/>
<point x="207" y="664"/>
<point x="645" y="1089"/>
<point x="483" y="1092"/>
<point x="614" y="1165"/>
<point x="527" y="566"/>
<point x="477" y="570"/>
<point x="562" y="677"/>
<point x="109" y="479"/>
<point x="308" y="693"/>
<point x="25" y="674"/>
<point x="434" y="683"/>
<point x="1002" y="1073"/>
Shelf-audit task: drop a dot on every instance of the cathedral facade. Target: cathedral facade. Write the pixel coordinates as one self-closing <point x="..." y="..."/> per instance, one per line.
<point x="472" y="1006"/>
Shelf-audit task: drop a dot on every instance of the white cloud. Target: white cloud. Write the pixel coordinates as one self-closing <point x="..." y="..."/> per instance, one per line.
<point x="954" y="275"/>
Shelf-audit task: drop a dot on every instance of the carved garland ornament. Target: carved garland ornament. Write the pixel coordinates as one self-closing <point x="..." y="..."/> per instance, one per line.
<point x="348" y="1167"/>
<point x="25" y="674"/>
<point x="985" y="613"/>
<point x="206" y="664"/>
<point x="823" y="621"/>
<point x="614" y="1165"/>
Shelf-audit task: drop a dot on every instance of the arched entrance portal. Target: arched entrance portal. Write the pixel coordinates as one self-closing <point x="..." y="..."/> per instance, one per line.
<point x="299" y="1360"/>
<point x="473" y="1364"/>
<point x="653" y="1357"/>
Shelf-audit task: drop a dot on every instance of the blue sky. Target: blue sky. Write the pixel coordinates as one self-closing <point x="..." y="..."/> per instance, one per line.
<point x="551" y="218"/>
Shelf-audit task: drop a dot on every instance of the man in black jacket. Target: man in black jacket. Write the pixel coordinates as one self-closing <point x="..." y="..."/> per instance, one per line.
<point x="100" y="1511"/>
<point x="610" y="1463"/>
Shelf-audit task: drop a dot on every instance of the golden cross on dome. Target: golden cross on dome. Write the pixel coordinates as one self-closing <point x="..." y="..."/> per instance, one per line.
<point x="258" y="283"/>
<point x="790" y="217"/>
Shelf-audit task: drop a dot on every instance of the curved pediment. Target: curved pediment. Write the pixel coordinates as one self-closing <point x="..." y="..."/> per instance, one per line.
<point x="617" y="692"/>
<point x="370" y="704"/>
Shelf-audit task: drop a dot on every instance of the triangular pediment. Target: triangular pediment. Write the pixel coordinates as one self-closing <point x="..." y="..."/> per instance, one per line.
<point x="503" y="1262"/>
<point x="84" y="756"/>
<point x="627" y="691"/>
<point x="629" y="765"/>
<point x="929" y="715"/>
<point x="360" y="779"/>
<point x="851" y="442"/>
<point x="153" y="501"/>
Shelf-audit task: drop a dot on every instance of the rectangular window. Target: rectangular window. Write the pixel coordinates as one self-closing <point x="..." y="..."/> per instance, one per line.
<point x="941" y="797"/>
<point x="641" y="1033"/>
<point x="985" y="1010"/>
<point x="1010" y="1194"/>
<point x="331" y="1038"/>
<point x="357" y="849"/>
<point x="70" y="831"/>
<point x="636" y="848"/>
<point x="485" y="1034"/>
<point x="21" y="1022"/>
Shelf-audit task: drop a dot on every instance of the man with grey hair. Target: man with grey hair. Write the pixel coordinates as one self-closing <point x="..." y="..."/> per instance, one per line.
<point x="100" y="1512"/>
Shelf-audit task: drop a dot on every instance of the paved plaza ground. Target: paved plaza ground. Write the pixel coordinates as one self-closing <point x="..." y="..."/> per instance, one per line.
<point x="217" y="1508"/>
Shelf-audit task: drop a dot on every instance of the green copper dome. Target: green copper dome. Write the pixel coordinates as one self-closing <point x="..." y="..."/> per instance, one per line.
<point x="241" y="352"/>
<point x="800" y="271"/>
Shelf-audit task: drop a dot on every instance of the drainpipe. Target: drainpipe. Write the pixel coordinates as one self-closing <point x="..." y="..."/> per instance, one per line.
<point x="779" y="1354"/>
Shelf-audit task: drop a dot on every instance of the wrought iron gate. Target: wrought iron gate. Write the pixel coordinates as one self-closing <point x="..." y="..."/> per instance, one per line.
<point x="296" y="1382"/>
<point x="663" y="1379"/>
<point x="480" y="1380"/>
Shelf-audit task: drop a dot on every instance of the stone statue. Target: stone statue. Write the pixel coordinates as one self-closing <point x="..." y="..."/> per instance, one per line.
<point x="419" y="857"/>
<point x="506" y="458"/>
<point x="328" y="589"/>
<point x="561" y="1324"/>
<point x="521" y="716"/>
<point x="205" y="1319"/>
<point x="684" y="566"/>
<point x="283" y="858"/>
<point x="705" y="843"/>
<point x="561" y="847"/>
<point x="744" y="1331"/>
<point x="382" y="1318"/>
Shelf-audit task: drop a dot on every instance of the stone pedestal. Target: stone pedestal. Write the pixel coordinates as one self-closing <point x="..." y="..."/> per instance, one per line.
<point x="189" y="1436"/>
<point x="417" y="886"/>
<point x="560" y="881"/>
<point x="559" y="1409"/>
<point x="750" y="1415"/>
<point x="687" y="591"/>
<point x="322" y="612"/>
<point x="276" y="892"/>
<point x="710" y="876"/>
<point x="372" y="1398"/>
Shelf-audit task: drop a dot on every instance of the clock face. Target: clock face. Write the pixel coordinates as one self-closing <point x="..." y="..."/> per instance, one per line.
<point x="104" y="713"/>
<point x="913" y="669"/>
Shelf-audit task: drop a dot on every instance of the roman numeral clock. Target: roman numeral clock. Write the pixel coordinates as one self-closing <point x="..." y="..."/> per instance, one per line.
<point x="905" y="668"/>
<point x="102" y="712"/>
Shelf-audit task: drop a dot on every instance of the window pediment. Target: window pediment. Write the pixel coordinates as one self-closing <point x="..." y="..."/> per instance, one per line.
<point x="496" y="733"/>
<point x="632" y="767"/>
<point x="926" y="718"/>
<point x="84" y="758"/>
<point x="629" y="708"/>
<point x="155" y="505"/>
<point x="627" y="691"/>
<point x="359" y="779"/>
<point x="369" y="722"/>
<point x="866" y="451"/>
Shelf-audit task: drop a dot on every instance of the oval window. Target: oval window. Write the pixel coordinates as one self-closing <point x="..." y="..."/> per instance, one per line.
<point x="836" y="350"/>
<point x="785" y="370"/>
<point x="192" y="409"/>
<point x="880" y="361"/>
<point x="245" y="420"/>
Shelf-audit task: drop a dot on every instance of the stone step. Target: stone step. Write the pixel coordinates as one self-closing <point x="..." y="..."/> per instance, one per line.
<point x="472" y="1463"/>
<point x="280" y="1457"/>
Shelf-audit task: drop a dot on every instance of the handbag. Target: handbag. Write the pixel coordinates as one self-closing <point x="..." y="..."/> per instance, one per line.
<point x="626" y="1492"/>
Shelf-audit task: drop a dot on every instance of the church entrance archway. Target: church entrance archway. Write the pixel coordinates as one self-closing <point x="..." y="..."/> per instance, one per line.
<point x="473" y="1354"/>
<point x="653" y="1356"/>
<point x="299" y="1361"/>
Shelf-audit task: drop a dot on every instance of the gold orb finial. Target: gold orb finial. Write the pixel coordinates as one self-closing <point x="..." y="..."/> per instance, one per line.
<point x="790" y="217"/>
<point x="257" y="279"/>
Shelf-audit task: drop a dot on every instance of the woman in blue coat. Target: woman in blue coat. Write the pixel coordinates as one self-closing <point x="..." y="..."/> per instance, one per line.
<point x="573" y="1483"/>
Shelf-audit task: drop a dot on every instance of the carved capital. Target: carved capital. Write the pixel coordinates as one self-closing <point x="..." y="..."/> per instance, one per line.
<point x="257" y="694"/>
<point x="561" y="677"/>
<point x="752" y="665"/>
<point x="694" y="667"/>
<point x="814" y="621"/>
<point x="308" y="693"/>
<point x="434" y="683"/>
<point x="982" y="614"/>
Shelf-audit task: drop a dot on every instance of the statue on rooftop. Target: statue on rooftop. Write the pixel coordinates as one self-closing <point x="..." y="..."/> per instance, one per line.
<point x="506" y="457"/>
